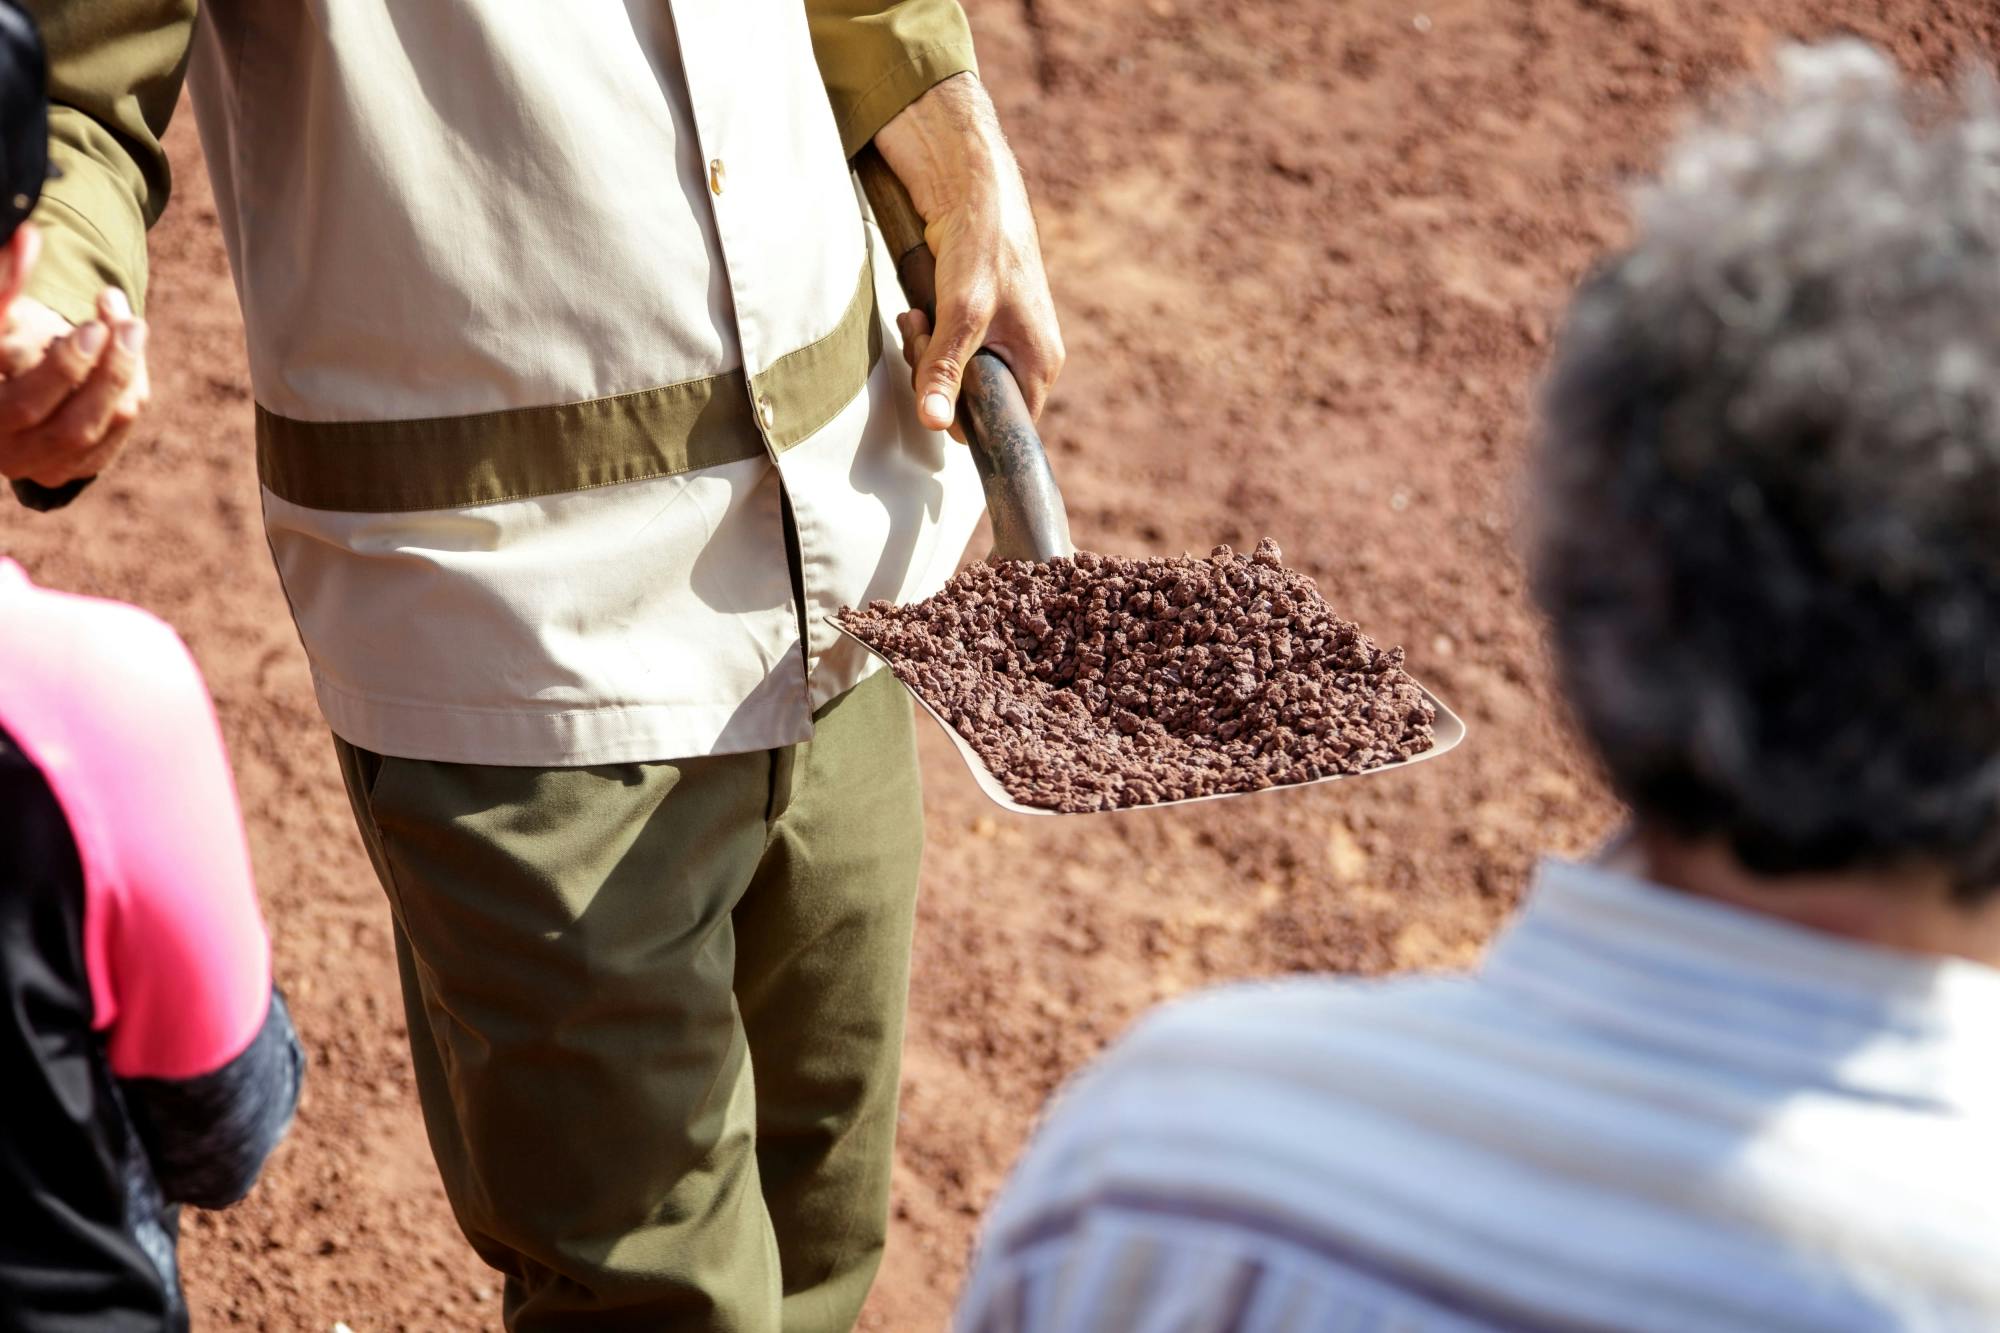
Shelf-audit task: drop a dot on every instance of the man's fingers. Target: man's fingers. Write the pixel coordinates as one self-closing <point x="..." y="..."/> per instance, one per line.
<point x="68" y="397"/>
<point x="1035" y="362"/>
<point x="28" y="399"/>
<point x="1035" y="355"/>
<point x="961" y="328"/>
<point x="80" y="437"/>
<point x="61" y="462"/>
<point x="96" y="406"/>
<point x="99" y="457"/>
<point x="58" y="467"/>
<point x="1047" y="365"/>
<point x="135" y="397"/>
<point x="915" y="355"/>
<point x="914" y="327"/>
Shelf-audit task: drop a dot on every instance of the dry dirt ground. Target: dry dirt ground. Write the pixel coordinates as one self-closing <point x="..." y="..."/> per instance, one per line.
<point x="1308" y="255"/>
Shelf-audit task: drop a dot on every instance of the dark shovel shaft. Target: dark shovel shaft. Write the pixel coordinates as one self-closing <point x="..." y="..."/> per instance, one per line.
<point x="1029" y="520"/>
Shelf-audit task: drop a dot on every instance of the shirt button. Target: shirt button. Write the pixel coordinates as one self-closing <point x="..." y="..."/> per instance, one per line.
<point x="765" y="413"/>
<point x="715" y="176"/>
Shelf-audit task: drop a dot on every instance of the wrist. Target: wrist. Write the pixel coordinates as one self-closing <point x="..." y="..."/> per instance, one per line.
<point x="947" y="149"/>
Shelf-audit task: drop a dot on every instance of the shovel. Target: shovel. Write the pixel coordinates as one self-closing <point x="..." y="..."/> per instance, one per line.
<point x="1022" y="499"/>
<point x="1029" y="521"/>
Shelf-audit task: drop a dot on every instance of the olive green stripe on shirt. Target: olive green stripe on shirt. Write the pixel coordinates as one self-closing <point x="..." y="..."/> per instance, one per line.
<point x="808" y="387"/>
<point x="456" y="462"/>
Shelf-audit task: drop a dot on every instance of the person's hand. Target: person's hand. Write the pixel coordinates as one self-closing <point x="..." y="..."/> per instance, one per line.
<point x="69" y="396"/>
<point x="947" y="149"/>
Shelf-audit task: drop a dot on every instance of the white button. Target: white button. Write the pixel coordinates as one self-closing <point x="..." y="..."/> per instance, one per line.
<point x="715" y="176"/>
<point x="765" y="413"/>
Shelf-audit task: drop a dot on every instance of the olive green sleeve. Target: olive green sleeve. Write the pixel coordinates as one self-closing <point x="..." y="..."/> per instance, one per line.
<point x="115" y="72"/>
<point x="878" y="56"/>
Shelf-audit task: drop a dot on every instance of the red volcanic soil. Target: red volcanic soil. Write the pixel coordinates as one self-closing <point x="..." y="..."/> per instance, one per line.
<point x="1308" y="257"/>
<point x="1094" y="682"/>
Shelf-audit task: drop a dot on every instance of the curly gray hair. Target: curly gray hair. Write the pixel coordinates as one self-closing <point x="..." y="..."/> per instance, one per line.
<point x="1768" y="521"/>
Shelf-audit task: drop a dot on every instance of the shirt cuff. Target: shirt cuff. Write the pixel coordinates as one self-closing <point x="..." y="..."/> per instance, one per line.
<point x="93" y="232"/>
<point x="900" y="85"/>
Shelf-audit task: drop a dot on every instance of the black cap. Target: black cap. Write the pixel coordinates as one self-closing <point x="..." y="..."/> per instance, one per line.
<point x="24" y="117"/>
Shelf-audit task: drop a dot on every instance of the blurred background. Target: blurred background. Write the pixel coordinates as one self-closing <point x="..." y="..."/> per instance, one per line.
<point x="1308" y="256"/>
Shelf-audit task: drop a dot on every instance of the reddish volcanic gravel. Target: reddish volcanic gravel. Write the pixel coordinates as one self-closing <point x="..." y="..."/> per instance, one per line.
<point x="1099" y="683"/>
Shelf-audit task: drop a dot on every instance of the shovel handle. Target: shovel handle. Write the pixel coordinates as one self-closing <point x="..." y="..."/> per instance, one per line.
<point x="1029" y="521"/>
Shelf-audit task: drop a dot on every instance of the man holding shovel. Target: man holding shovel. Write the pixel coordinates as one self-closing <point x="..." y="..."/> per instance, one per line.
<point x="573" y="426"/>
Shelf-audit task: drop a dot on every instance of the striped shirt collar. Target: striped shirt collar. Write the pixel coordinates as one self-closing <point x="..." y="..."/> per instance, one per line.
<point x="1646" y="963"/>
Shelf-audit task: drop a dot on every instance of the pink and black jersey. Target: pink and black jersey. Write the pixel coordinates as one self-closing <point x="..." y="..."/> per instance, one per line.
<point x="145" y="1058"/>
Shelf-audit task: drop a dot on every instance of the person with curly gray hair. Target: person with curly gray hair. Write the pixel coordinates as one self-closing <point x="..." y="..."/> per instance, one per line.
<point x="1735" y="1073"/>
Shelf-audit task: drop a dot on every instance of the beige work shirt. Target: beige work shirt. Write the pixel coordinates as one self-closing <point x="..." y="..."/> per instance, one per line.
<point x="559" y="317"/>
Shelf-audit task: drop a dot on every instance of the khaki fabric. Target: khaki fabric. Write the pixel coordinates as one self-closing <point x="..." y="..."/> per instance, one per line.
<point x="878" y="58"/>
<point x="553" y="313"/>
<point x="115" y="71"/>
<point x="116" y="68"/>
<point x="472" y="206"/>
<point x="460" y="462"/>
<point x="638" y="621"/>
<point x="656" y="1012"/>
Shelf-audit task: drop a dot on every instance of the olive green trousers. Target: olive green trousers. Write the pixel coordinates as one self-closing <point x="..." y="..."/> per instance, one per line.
<point x="656" y="1015"/>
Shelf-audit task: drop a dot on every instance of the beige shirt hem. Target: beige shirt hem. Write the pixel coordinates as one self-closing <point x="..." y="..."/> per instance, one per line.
<point x="578" y="737"/>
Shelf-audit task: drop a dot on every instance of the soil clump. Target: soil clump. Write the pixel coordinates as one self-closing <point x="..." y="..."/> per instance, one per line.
<point x="1101" y="683"/>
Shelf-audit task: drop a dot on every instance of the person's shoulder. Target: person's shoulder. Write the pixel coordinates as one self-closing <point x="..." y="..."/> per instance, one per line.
<point x="1249" y="1071"/>
<point x="1239" y="1041"/>
<point x="105" y="647"/>
<point x="113" y="681"/>
<point x="1276" y="1016"/>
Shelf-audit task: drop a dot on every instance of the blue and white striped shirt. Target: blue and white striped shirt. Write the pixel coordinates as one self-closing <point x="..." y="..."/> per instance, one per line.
<point x="1645" y="1111"/>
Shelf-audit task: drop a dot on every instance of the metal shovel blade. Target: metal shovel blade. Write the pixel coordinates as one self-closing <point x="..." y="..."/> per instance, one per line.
<point x="1446" y="732"/>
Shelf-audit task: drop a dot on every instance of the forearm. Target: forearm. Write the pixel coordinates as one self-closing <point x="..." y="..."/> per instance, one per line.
<point x="947" y="149"/>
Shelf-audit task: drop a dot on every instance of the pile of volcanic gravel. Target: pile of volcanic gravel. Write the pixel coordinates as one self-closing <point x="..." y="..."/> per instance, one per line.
<point x="1097" y="683"/>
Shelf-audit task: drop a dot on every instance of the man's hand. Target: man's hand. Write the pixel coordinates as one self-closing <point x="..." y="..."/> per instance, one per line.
<point x="69" y="396"/>
<point x="947" y="149"/>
